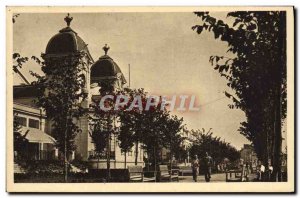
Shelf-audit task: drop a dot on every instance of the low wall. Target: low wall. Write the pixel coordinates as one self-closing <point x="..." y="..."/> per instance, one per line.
<point x="102" y="164"/>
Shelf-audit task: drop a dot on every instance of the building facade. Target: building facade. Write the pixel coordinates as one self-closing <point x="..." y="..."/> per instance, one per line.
<point x="248" y="155"/>
<point x="32" y="121"/>
<point x="61" y="46"/>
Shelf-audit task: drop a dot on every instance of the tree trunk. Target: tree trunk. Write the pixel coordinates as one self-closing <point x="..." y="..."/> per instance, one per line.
<point x="171" y="158"/>
<point x="277" y="146"/>
<point x="125" y="158"/>
<point x="66" y="164"/>
<point x="136" y="152"/>
<point x="155" y="173"/>
<point x="66" y="153"/>
<point x="277" y="135"/>
<point x="108" y="159"/>
<point x="278" y="106"/>
<point x="108" y="150"/>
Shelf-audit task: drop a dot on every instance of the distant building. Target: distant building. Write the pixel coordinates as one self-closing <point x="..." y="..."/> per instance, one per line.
<point x="248" y="155"/>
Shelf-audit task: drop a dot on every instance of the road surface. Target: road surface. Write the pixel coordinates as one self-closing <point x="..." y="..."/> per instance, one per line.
<point x="219" y="177"/>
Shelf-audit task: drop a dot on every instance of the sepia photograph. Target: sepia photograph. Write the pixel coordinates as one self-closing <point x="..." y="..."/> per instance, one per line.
<point x="150" y="99"/>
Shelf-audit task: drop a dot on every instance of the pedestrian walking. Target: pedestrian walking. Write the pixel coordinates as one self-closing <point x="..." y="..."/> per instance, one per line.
<point x="269" y="172"/>
<point x="260" y="171"/>
<point x="207" y="167"/>
<point x="195" y="167"/>
<point x="247" y="171"/>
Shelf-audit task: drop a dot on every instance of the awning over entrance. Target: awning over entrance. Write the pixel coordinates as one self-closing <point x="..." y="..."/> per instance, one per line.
<point x="37" y="136"/>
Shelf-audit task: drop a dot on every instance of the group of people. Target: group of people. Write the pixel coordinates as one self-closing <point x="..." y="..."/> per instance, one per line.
<point x="264" y="173"/>
<point x="205" y="167"/>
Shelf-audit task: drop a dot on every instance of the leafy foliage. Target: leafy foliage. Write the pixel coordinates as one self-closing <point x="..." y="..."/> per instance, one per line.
<point x="132" y="121"/>
<point x="61" y="91"/>
<point x="150" y="129"/>
<point x="99" y="137"/>
<point x="101" y="125"/>
<point x="154" y="129"/>
<point x="218" y="149"/>
<point x="102" y="122"/>
<point x="18" y="61"/>
<point x="172" y="135"/>
<point x="257" y="73"/>
<point x="125" y="136"/>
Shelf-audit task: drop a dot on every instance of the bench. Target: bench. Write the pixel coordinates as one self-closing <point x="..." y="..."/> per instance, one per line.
<point x="166" y="174"/>
<point x="136" y="174"/>
<point x="236" y="175"/>
<point x="185" y="170"/>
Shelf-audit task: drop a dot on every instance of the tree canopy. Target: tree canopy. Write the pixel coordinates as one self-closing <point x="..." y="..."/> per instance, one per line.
<point x="256" y="73"/>
<point x="60" y="92"/>
<point x="203" y="142"/>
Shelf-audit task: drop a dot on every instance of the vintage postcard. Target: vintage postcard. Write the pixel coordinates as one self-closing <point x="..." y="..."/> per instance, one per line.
<point x="150" y="99"/>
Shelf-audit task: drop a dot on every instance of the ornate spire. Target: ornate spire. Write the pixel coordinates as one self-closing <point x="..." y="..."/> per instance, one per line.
<point x="68" y="19"/>
<point x="105" y="48"/>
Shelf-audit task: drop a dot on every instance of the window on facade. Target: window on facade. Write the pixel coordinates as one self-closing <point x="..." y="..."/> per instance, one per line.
<point x="112" y="148"/>
<point x="112" y="155"/>
<point x="130" y="153"/>
<point x="112" y="144"/>
<point x="34" y="123"/>
<point x="21" y="120"/>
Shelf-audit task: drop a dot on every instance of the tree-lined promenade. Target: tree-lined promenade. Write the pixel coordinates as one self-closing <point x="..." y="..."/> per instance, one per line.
<point x="255" y="71"/>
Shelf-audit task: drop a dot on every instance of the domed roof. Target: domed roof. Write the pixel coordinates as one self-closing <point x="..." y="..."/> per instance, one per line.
<point x="66" y="41"/>
<point x="106" y="67"/>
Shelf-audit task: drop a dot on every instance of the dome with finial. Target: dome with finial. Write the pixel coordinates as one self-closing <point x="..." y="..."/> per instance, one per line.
<point x="106" y="68"/>
<point x="66" y="41"/>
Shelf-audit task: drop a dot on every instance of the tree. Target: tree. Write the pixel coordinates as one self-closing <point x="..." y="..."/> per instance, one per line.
<point x="127" y="136"/>
<point x="134" y="119"/>
<point x="154" y="132"/>
<point x="102" y="121"/>
<point x="99" y="134"/>
<point x="161" y="130"/>
<point x="152" y="128"/>
<point x="60" y="92"/>
<point x="172" y="137"/>
<point x="205" y="142"/>
<point x="257" y="74"/>
<point x="126" y="140"/>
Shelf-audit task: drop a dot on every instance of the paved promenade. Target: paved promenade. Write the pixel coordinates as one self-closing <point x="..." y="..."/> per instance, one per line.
<point x="219" y="177"/>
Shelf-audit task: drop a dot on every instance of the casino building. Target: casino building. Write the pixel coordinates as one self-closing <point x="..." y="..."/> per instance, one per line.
<point x="38" y="128"/>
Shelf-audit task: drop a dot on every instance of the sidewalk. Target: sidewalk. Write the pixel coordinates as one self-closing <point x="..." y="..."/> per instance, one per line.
<point x="219" y="177"/>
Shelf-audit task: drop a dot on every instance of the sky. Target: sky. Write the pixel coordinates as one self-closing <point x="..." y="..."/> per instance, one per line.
<point x="165" y="55"/>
